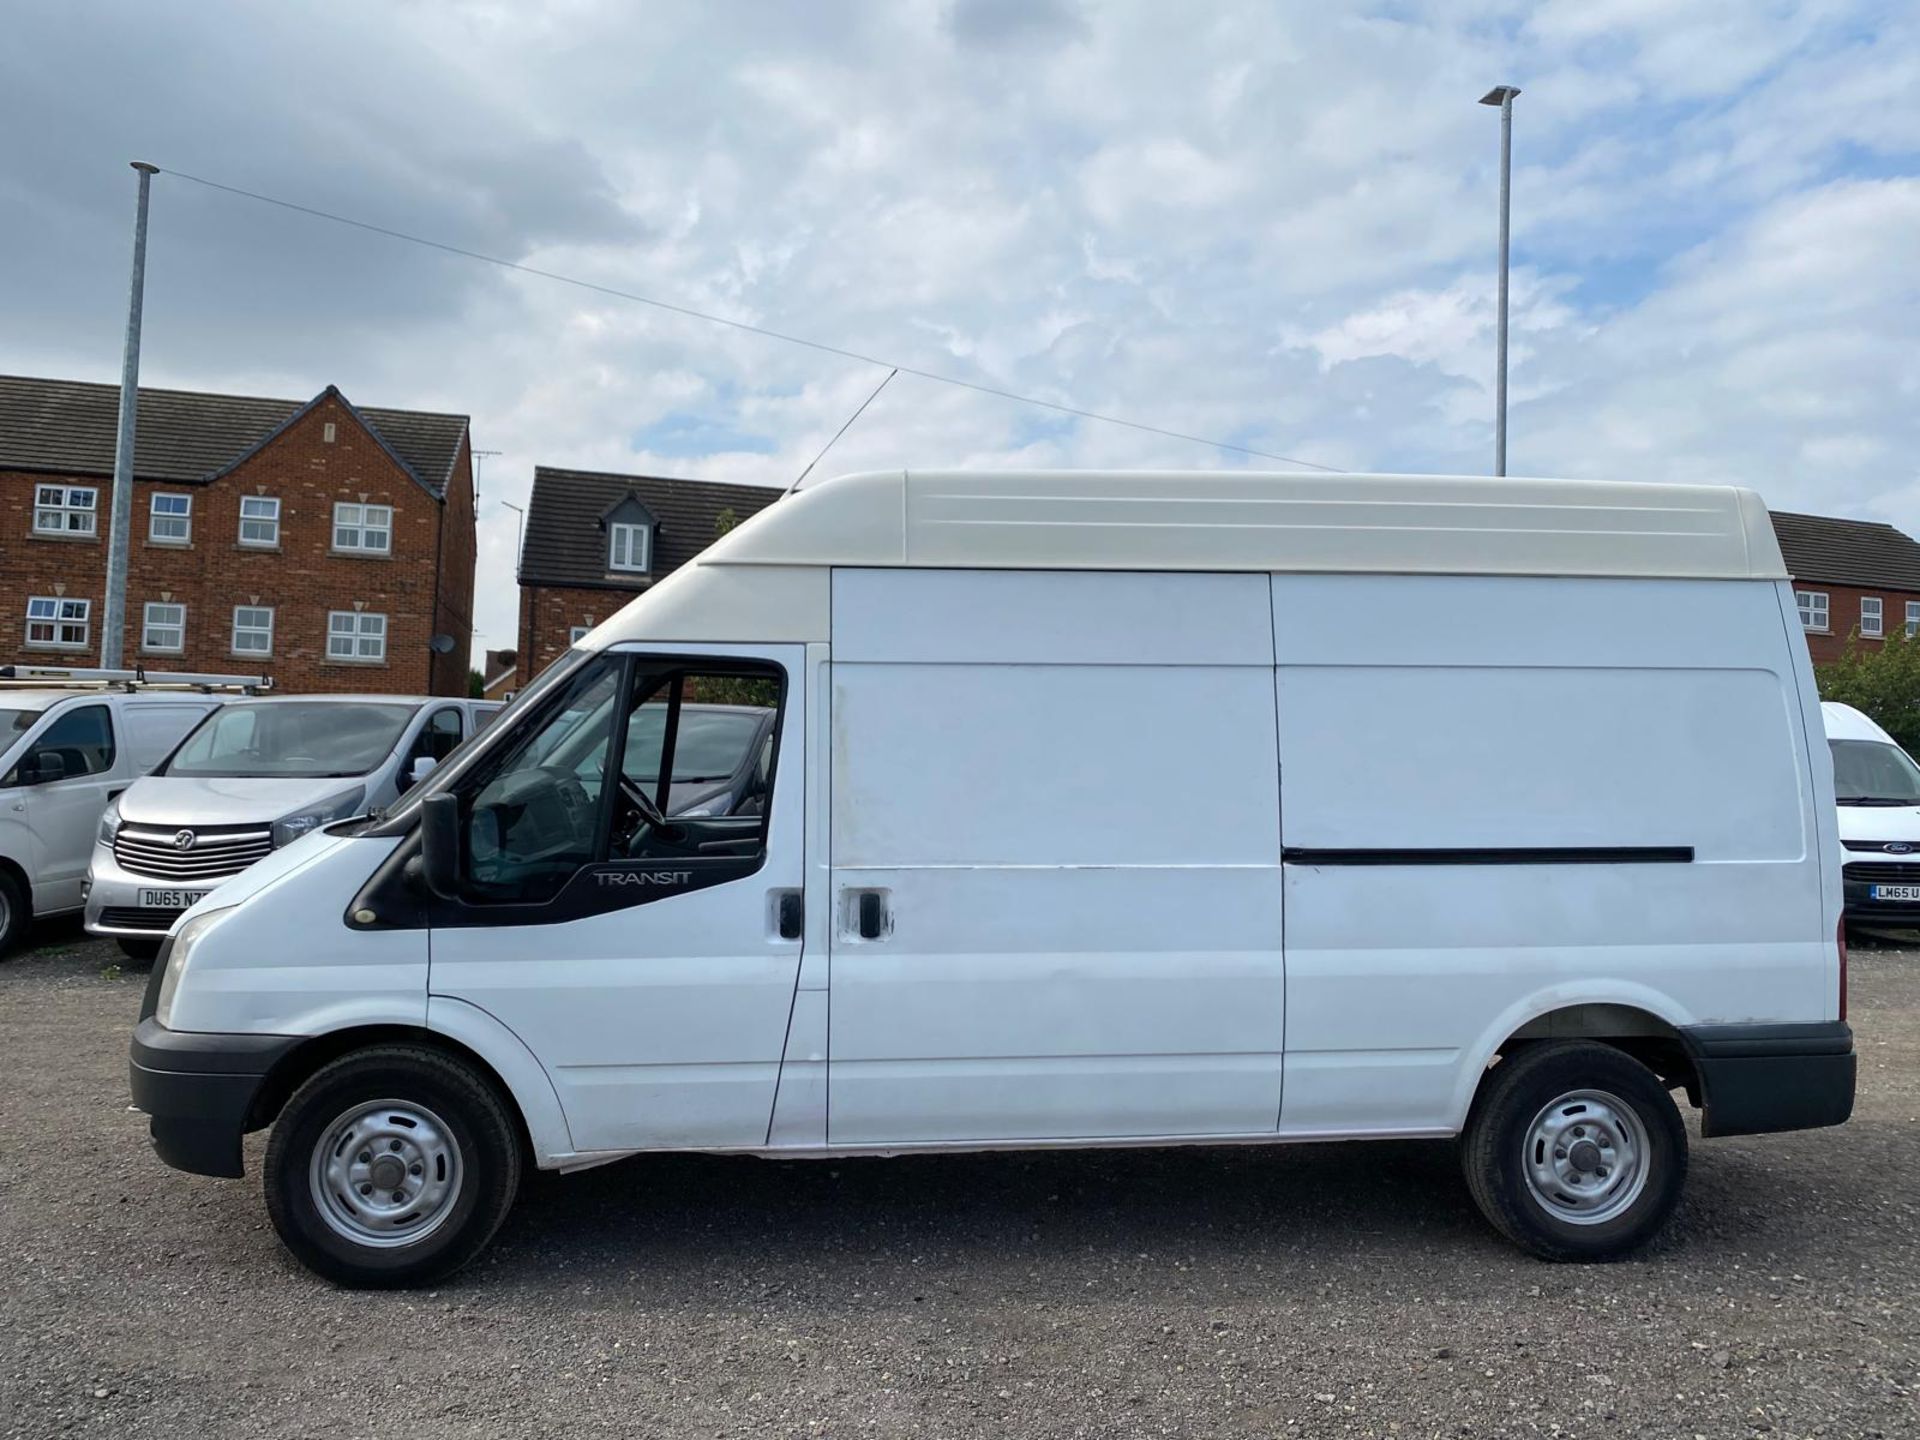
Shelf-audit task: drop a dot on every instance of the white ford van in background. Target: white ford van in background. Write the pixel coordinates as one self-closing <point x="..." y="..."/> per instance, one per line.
<point x="256" y="776"/>
<point x="64" y="754"/>
<point x="1877" y="786"/>
<point x="1102" y="809"/>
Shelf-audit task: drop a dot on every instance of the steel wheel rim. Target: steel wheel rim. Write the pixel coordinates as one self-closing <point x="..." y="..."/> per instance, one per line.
<point x="1586" y="1156"/>
<point x="386" y="1173"/>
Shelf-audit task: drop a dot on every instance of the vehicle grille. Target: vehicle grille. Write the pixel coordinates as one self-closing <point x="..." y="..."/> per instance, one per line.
<point x="1907" y="847"/>
<point x="1881" y="874"/>
<point x="215" y="853"/>
<point x="133" y="917"/>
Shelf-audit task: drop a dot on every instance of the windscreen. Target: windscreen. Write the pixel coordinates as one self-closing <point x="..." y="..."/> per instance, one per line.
<point x="1869" y="772"/>
<point x="292" y="739"/>
<point x="710" y="745"/>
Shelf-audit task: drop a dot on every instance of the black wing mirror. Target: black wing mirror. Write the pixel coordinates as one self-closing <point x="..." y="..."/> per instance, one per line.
<point x="42" y="767"/>
<point x="440" y="844"/>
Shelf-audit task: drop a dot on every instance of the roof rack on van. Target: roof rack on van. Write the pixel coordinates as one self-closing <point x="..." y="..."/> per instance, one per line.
<point x="138" y="678"/>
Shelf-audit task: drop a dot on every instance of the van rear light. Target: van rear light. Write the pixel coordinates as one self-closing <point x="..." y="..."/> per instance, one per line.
<point x="1840" y="939"/>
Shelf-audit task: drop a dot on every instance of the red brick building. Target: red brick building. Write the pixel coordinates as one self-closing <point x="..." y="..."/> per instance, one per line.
<point x="1854" y="579"/>
<point x="320" y="543"/>
<point x="595" y="540"/>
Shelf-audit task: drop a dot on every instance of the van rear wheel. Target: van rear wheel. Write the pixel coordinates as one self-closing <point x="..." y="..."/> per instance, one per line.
<point x="1575" y="1151"/>
<point x="391" y="1166"/>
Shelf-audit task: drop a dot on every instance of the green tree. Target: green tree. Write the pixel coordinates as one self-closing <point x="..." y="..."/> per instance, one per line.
<point x="476" y="685"/>
<point x="1882" y="680"/>
<point x="724" y="521"/>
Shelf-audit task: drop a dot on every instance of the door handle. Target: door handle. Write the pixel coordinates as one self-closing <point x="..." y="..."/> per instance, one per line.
<point x="868" y="915"/>
<point x="793" y="915"/>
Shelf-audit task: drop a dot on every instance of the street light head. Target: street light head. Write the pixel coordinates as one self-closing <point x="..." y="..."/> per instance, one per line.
<point x="144" y="168"/>
<point x="1500" y="95"/>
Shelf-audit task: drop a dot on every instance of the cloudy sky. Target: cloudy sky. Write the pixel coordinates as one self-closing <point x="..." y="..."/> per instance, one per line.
<point x="1269" y="224"/>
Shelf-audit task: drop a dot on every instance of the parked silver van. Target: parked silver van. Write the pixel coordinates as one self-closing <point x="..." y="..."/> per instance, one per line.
<point x="250" y="779"/>
<point x="64" y="754"/>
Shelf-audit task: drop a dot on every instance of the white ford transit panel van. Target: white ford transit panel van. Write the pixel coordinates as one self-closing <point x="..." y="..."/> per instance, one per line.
<point x="1102" y="809"/>
<point x="1877" y="785"/>
<point x="64" y="755"/>
<point x="256" y="776"/>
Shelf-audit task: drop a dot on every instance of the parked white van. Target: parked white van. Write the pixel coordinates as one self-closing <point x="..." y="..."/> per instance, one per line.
<point x="1877" y="786"/>
<point x="64" y="754"/>
<point x="256" y="776"/>
<point x="1103" y="809"/>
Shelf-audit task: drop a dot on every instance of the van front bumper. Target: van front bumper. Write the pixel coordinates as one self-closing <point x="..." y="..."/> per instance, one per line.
<point x="1758" y="1079"/>
<point x="114" y="899"/>
<point x="198" y="1091"/>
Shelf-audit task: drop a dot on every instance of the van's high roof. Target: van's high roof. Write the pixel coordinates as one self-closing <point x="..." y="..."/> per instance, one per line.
<point x="767" y="579"/>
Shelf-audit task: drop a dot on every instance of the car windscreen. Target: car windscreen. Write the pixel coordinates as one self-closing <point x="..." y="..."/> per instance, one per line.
<point x="1873" y="772"/>
<point x="14" y="723"/>
<point x="292" y="739"/>
<point x="709" y="746"/>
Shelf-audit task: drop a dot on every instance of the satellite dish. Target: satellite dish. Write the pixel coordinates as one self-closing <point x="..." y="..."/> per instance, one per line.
<point x="441" y="644"/>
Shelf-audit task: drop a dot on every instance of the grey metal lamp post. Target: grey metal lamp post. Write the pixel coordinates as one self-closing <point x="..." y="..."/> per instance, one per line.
<point x="1503" y="96"/>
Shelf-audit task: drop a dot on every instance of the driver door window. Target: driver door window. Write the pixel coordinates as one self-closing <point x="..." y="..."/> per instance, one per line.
<point x="691" y="785"/>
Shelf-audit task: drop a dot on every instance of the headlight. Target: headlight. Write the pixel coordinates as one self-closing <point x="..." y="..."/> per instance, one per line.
<point x="712" y="805"/>
<point x="289" y="828"/>
<point x="110" y="822"/>
<point x="190" y="933"/>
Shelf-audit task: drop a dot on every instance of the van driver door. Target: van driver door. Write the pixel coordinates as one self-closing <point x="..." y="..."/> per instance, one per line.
<point x="646" y="956"/>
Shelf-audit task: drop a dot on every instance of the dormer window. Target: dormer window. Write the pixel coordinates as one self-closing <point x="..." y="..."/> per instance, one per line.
<point x="630" y="547"/>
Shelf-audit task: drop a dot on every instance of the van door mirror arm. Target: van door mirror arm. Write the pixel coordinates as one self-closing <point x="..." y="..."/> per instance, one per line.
<point x="440" y="844"/>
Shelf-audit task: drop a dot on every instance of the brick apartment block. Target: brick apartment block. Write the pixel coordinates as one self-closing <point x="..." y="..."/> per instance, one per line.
<point x="1856" y="581"/>
<point x="320" y="543"/>
<point x="595" y="540"/>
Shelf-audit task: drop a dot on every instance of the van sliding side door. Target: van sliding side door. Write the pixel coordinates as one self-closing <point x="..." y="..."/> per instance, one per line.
<point x="1055" y="858"/>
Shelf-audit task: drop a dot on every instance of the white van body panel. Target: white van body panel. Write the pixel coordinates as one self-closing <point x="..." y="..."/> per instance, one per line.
<point x="1512" y="712"/>
<point x="285" y="963"/>
<point x="1072" y="951"/>
<point x="519" y="1069"/>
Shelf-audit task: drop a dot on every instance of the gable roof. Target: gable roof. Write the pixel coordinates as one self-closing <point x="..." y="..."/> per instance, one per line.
<point x="68" y="427"/>
<point x="500" y="665"/>
<point x="1863" y="553"/>
<point x="566" y="540"/>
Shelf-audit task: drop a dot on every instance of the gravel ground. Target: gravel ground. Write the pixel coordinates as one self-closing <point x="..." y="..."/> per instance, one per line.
<point x="1305" y="1291"/>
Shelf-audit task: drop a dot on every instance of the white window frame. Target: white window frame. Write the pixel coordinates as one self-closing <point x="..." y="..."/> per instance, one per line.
<point x="58" y="509"/>
<point x="1877" y="615"/>
<point x="361" y="640"/>
<point x="577" y="633"/>
<point x="156" y="517"/>
<point x="148" y="625"/>
<point x="269" y="516"/>
<point x="636" y="537"/>
<point x="252" y="629"/>
<point x="1813" y="608"/>
<point x="361" y="524"/>
<point x="65" y="624"/>
<point x="1913" y="618"/>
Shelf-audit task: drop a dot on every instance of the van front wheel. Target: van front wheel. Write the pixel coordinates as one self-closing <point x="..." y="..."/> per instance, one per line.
<point x="391" y="1166"/>
<point x="1575" y="1151"/>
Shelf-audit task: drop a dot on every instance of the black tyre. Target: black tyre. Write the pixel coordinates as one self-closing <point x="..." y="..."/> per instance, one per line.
<point x="1575" y="1151"/>
<point x="391" y="1166"/>
<point x="16" y="912"/>
<point x="140" y="951"/>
